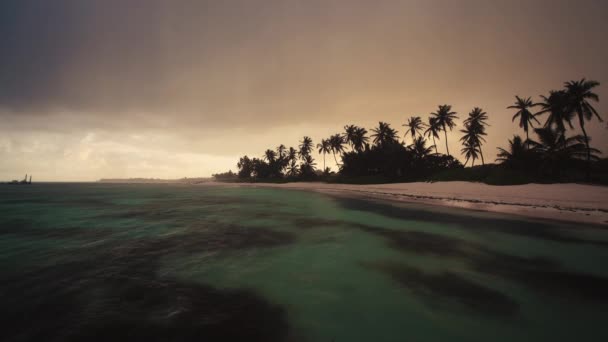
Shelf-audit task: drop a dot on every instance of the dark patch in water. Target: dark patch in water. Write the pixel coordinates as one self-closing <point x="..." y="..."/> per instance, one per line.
<point x="537" y="229"/>
<point x="541" y="274"/>
<point x="112" y="291"/>
<point x="83" y="302"/>
<point x="450" y="287"/>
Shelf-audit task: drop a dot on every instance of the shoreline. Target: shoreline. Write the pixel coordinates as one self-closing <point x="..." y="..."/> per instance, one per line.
<point x="573" y="203"/>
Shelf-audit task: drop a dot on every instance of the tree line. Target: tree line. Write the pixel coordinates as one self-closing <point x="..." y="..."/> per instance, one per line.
<point x="382" y="152"/>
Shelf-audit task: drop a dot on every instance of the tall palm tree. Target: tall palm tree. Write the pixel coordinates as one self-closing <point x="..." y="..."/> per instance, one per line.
<point x="414" y="126"/>
<point x="526" y="117"/>
<point x="433" y="130"/>
<point x="336" y="144"/>
<point x="445" y="119"/>
<point x="305" y="147"/>
<point x="475" y="129"/>
<point x="324" y="148"/>
<point x="557" y="106"/>
<point x="580" y="93"/>
<point x="384" y="135"/>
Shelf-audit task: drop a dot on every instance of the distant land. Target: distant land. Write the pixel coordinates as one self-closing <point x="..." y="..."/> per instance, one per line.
<point x="184" y="180"/>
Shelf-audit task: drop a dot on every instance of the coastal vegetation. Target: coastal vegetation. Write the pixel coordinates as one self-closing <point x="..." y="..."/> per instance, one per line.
<point x="551" y="151"/>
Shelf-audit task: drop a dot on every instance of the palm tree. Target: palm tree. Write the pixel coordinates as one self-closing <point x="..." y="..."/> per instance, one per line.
<point x="523" y="107"/>
<point x="433" y="130"/>
<point x="324" y="148"/>
<point x="556" y="146"/>
<point x="350" y="132"/>
<point x="305" y="147"/>
<point x="556" y="105"/>
<point x="419" y="148"/>
<point x="270" y="155"/>
<point x="445" y="119"/>
<point x="292" y="154"/>
<point x="413" y="127"/>
<point x="475" y="129"/>
<point x="281" y="149"/>
<point x="336" y="144"/>
<point x="359" y="139"/>
<point x="579" y="94"/>
<point x="384" y="135"/>
<point x="470" y="151"/>
<point x="515" y="154"/>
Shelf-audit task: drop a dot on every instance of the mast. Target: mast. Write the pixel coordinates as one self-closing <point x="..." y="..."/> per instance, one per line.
<point x="30" y="179"/>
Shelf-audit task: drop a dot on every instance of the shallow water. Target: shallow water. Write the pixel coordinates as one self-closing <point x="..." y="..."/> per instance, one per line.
<point x="162" y="262"/>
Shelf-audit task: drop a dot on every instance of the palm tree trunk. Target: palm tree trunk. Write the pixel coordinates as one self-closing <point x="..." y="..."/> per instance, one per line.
<point x="481" y="153"/>
<point x="435" y="145"/>
<point x="336" y="159"/>
<point x="446" y="140"/>
<point x="527" y="141"/>
<point x="324" y="168"/>
<point x="588" y="168"/>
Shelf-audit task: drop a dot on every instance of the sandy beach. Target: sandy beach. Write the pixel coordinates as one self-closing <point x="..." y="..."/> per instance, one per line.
<point x="564" y="202"/>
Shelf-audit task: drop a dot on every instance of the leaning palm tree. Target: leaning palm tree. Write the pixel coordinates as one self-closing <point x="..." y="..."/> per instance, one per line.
<point x="526" y="117"/>
<point x="414" y="126"/>
<point x="475" y="129"/>
<point x="384" y="135"/>
<point x="433" y="130"/>
<point x="580" y="93"/>
<point x="557" y="106"/>
<point x="445" y="119"/>
<point x="324" y="147"/>
<point x="336" y="144"/>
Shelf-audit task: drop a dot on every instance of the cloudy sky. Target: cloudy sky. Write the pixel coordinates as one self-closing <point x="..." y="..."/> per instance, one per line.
<point x="168" y="89"/>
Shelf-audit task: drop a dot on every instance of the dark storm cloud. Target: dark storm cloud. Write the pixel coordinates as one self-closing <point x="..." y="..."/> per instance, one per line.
<point x="184" y="75"/>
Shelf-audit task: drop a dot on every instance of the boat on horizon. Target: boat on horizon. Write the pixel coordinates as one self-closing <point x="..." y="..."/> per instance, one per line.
<point x="25" y="181"/>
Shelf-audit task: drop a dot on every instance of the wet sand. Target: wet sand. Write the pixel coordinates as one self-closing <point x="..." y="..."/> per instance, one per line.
<point x="563" y="202"/>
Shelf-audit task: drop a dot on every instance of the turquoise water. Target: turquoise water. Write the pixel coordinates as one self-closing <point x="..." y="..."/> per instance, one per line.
<point x="177" y="263"/>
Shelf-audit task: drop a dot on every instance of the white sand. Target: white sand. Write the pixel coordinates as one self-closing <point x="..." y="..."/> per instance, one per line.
<point x="567" y="202"/>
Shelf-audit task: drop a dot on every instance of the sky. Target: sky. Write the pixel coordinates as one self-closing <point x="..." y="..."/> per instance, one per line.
<point x="170" y="89"/>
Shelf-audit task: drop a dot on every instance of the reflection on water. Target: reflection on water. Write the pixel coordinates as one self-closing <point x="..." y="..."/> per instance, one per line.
<point x="155" y="262"/>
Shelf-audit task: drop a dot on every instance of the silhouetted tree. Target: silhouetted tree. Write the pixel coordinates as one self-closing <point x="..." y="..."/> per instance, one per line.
<point x="526" y="117"/>
<point x="384" y="135"/>
<point x="556" y="105"/>
<point x="336" y="143"/>
<point x="305" y="147"/>
<point x="579" y="94"/>
<point x="470" y="150"/>
<point x="324" y="148"/>
<point x="414" y="127"/>
<point x="433" y="129"/>
<point x="474" y="132"/>
<point x="419" y="148"/>
<point x="445" y="118"/>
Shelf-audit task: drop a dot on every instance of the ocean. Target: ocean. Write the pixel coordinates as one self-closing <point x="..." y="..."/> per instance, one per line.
<point x="156" y="262"/>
